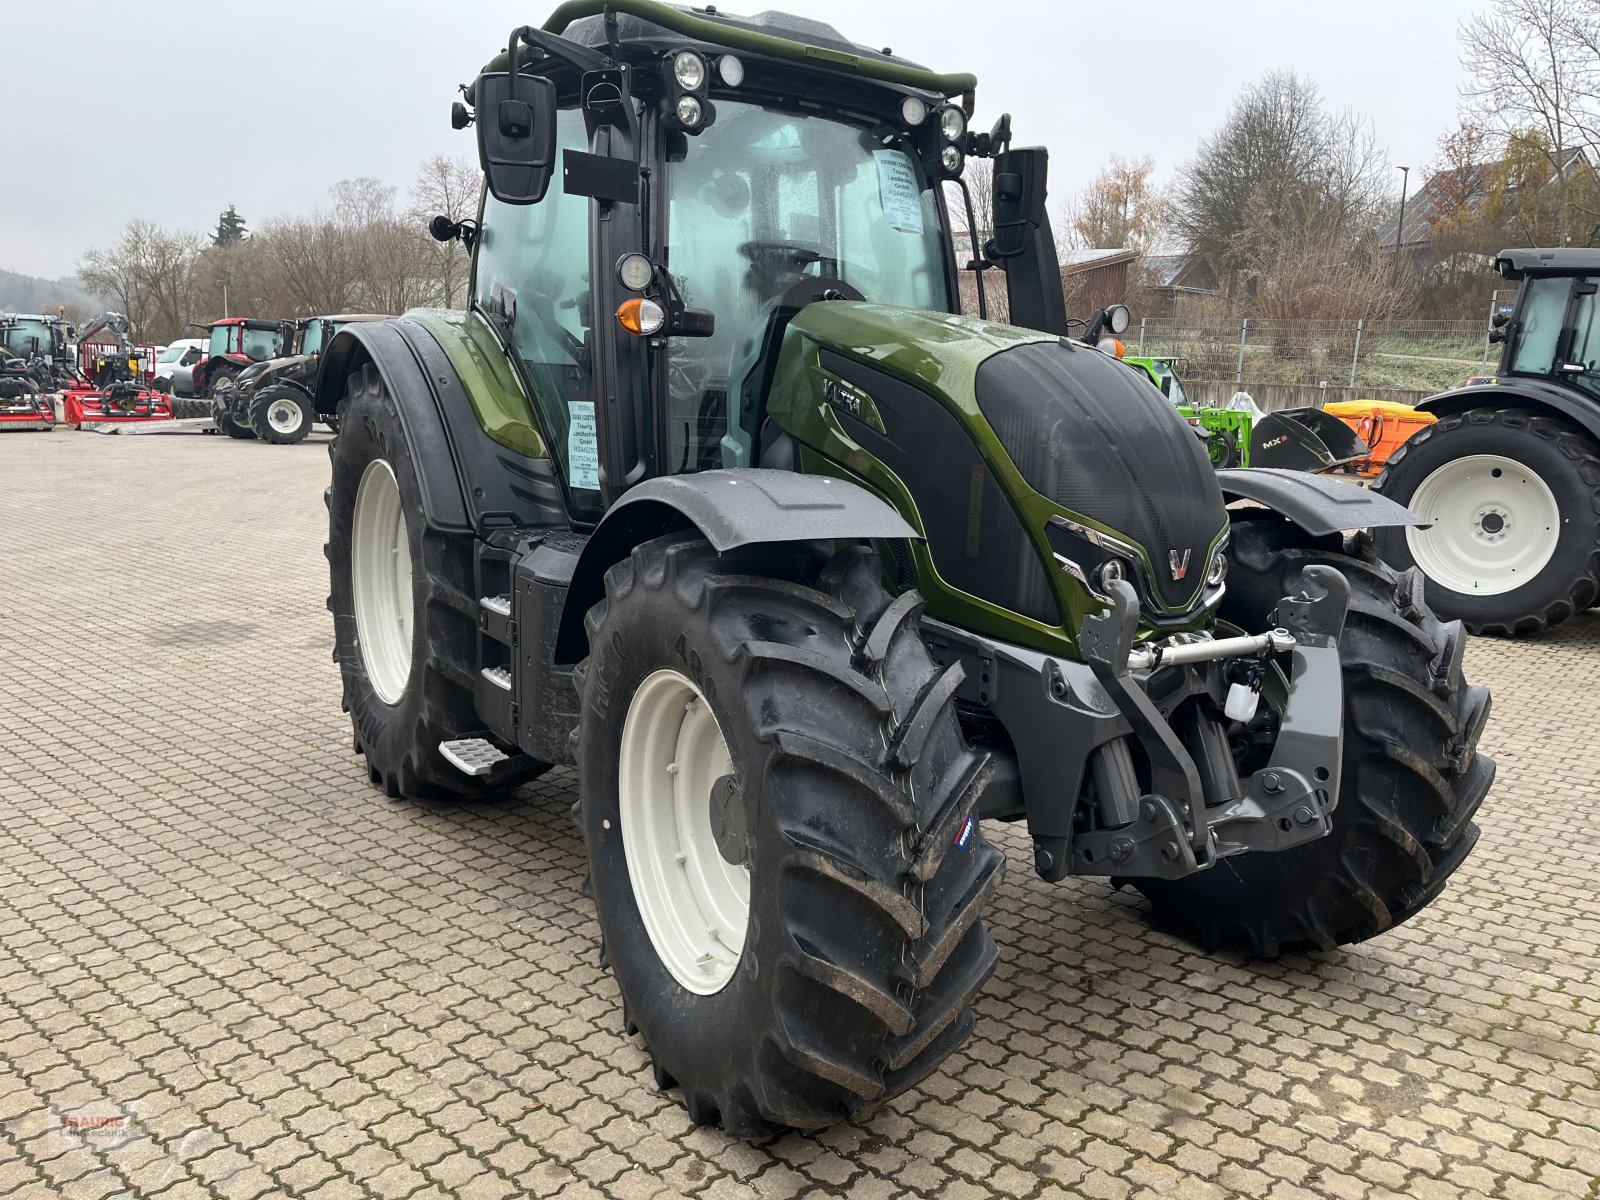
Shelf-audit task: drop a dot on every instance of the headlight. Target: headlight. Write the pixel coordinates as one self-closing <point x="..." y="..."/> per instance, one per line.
<point x="950" y="159"/>
<point x="689" y="111"/>
<point x="952" y="124"/>
<point x="689" y="69"/>
<point x="913" y="111"/>
<point x="731" y="69"/>
<point x="1109" y="572"/>
<point x="1218" y="571"/>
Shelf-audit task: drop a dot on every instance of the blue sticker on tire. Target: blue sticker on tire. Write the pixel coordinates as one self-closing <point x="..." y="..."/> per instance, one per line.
<point x="964" y="834"/>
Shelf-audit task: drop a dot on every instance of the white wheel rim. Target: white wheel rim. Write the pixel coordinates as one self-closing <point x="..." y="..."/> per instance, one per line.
<point x="284" y="416"/>
<point x="380" y="580"/>
<point x="695" y="904"/>
<point x="1494" y="525"/>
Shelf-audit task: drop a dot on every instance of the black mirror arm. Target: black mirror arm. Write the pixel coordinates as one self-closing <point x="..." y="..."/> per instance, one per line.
<point x="979" y="262"/>
<point x="580" y="58"/>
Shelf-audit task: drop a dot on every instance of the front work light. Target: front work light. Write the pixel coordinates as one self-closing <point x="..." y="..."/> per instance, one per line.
<point x="952" y="124"/>
<point x="689" y="111"/>
<point x="731" y="69"/>
<point x="689" y="69"/>
<point x="913" y="111"/>
<point x="635" y="271"/>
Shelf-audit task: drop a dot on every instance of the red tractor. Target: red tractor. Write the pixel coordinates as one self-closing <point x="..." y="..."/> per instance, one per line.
<point x="236" y="343"/>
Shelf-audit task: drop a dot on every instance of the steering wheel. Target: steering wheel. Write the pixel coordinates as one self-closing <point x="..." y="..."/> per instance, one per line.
<point x="785" y="252"/>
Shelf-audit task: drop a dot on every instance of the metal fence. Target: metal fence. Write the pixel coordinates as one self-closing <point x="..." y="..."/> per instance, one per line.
<point x="1401" y="356"/>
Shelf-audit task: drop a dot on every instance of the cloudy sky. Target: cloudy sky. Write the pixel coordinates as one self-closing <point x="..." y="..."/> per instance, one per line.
<point x="171" y="110"/>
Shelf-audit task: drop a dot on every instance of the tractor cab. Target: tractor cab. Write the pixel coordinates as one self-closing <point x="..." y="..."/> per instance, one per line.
<point x="235" y="344"/>
<point x="29" y="336"/>
<point x="736" y="185"/>
<point x="1551" y="335"/>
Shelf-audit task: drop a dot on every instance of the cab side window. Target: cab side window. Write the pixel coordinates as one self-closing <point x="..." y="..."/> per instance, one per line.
<point x="1544" y="308"/>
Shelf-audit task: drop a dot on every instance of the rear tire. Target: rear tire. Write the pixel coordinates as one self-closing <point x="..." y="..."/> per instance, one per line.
<point x="1411" y="777"/>
<point x="281" y="414"/>
<point x="850" y="799"/>
<point x="1547" y="524"/>
<point x="432" y="687"/>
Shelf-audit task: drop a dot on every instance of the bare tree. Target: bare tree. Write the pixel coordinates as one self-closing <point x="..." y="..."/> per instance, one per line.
<point x="1121" y="208"/>
<point x="148" y="273"/>
<point x="1534" y="75"/>
<point x="448" y="187"/>
<point x="1280" y="164"/>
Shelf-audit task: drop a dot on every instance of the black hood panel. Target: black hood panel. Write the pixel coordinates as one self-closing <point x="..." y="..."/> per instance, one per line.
<point x="1100" y="440"/>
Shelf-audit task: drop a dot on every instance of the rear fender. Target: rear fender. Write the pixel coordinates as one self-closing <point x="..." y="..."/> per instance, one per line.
<point x="1539" y="397"/>
<point x="730" y="509"/>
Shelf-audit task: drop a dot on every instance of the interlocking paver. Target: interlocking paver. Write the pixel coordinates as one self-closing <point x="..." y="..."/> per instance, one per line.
<point x="290" y="985"/>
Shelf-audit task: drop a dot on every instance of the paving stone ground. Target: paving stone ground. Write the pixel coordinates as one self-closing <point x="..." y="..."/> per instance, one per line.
<point x="229" y="968"/>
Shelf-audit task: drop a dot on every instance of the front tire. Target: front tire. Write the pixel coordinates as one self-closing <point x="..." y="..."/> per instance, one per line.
<point x="1411" y="777"/>
<point x="791" y="687"/>
<point x="403" y="609"/>
<point x="281" y="415"/>
<point x="1514" y="501"/>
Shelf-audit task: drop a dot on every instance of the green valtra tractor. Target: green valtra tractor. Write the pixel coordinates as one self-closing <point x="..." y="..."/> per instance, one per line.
<point x="1241" y="435"/>
<point x="712" y="494"/>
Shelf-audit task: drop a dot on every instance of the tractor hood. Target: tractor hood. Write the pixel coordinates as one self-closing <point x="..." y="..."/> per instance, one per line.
<point x="1028" y="461"/>
<point x="292" y="368"/>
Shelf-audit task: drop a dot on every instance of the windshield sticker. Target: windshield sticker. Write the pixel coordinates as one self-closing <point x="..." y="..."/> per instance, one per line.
<point x="583" y="449"/>
<point x="898" y="191"/>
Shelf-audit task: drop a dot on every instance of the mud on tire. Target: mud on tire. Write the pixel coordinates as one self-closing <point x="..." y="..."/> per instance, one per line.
<point x="1411" y="775"/>
<point x="401" y="741"/>
<point x="864" y="947"/>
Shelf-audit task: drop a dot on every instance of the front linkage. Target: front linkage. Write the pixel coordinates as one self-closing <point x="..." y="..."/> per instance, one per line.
<point x="1069" y="720"/>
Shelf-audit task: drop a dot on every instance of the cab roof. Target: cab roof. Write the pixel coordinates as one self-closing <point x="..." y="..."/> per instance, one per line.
<point x="1566" y="260"/>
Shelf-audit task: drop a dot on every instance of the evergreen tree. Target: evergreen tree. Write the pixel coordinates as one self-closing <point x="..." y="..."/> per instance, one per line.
<point x="230" y="229"/>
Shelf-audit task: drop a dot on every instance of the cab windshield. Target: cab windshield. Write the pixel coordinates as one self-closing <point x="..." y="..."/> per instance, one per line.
<point x="763" y="198"/>
<point x="1171" y="386"/>
<point x="27" y="339"/>
<point x="311" y="339"/>
<point x="222" y="340"/>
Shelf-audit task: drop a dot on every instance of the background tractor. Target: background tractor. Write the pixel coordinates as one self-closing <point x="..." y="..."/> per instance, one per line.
<point x="1508" y="478"/>
<point x="1242" y="435"/>
<point x="713" y="494"/>
<point x="40" y="342"/>
<point x="275" y="400"/>
<point x="236" y="343"/>
<point x="22" y="404"/>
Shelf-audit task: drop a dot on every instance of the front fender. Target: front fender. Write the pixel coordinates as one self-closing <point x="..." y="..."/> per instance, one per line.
<point x="469" y="481"/>
<point x="1318" y="504"/>
<point x="730" y="509"/>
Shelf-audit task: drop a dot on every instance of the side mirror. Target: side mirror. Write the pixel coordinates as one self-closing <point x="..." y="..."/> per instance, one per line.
<point x="443" y="228"/>
<point x="516" y="120"/>
<point x="1499" y="320"/>
<point x="1019" y="194"/>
